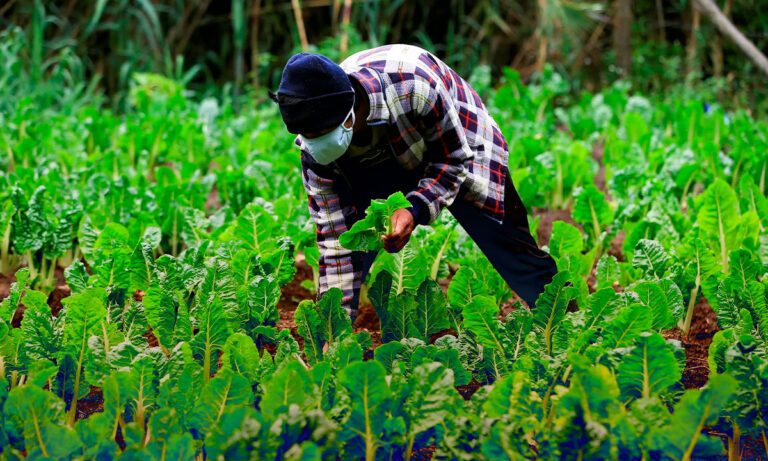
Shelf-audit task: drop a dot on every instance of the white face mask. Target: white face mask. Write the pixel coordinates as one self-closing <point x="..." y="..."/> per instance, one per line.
<point x="330" y="146"/>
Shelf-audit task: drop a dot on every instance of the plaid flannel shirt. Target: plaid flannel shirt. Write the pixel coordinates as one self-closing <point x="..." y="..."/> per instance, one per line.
<point x="435" y="120"/>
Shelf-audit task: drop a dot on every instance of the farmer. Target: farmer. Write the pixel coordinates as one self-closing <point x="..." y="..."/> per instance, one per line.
<point x="396" y="118"/>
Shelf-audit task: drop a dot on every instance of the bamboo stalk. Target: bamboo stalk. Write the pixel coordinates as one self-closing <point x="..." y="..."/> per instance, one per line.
<point x="255" y="42"/>
<point x="300" y="24"/>
<point x="541" y="56"/>
<point x="345" y="27"/>
<point x="662" y="24"/>
<point x="726" y="27"/>
<point x="690" y="48"/>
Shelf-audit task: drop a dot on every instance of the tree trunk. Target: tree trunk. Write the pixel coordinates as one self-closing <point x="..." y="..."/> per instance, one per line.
<point x="717" y="45"/>
<point x="662" y="22"/>
<point x="726" y="27"/>
<point x="345" y="28"/>
<point x="690" y="47"/>
<point x="541" y="56"/>
<point x="300" y="25"/>
<point x="255" y="43"/>
<point x="622" y="36"/>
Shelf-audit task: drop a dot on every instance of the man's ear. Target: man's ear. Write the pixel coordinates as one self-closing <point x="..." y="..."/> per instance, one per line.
<point x="272" y="95"/>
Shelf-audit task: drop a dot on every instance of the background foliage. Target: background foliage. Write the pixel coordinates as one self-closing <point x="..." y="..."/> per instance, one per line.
<point x="243" y="43"/>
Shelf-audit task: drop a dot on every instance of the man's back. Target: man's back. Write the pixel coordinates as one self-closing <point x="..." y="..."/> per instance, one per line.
<point x="413" y="89"/>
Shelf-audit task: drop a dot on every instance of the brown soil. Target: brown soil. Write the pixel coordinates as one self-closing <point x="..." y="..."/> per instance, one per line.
<point x="60" y="291"/>
<point x="616" y="246"/>
<point x="5" y="285"/>
<point x="292" y="294"/>
<point x="213" y="202"/>
<point x="696" y="344"/>
<point x="469" y="390"/>
<point x="91" y="403"/>
<point x="598" y="152"/>
<point x="151" y="338"/>
<point x="544" y="232"/>
<point x="366" y="320"/>
<point x="423" y="453"/>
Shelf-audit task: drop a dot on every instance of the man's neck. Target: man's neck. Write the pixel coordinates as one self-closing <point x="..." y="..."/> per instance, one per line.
<point x="362" y="105"/>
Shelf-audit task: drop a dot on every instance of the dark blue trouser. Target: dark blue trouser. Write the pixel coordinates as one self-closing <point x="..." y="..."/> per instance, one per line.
<point x="508" y="245"/>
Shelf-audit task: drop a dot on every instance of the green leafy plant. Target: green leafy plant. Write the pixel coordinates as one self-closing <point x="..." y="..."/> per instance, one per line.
<point x="365" y="234"/>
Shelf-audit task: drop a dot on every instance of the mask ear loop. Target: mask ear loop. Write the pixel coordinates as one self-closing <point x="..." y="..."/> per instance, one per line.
<point x="352" y="113"/>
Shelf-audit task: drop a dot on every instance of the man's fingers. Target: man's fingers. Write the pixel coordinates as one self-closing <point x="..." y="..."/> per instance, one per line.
<point x="393" y="245"/>
<point x="400" y="225"/>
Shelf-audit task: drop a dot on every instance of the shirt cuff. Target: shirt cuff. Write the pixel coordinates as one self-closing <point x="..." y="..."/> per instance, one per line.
<point x="420" y="215"/>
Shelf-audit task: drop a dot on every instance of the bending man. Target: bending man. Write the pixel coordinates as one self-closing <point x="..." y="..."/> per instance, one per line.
<point x="396" y="118"/>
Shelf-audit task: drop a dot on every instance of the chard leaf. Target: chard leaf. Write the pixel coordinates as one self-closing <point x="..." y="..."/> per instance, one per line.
<point x="141" y="266"/>
<point x="464" y="286"/>
<point x="648" y="369"/>
<point x="234" y="436"/>
<point x="432" y="397"/>
<point x="697" y="408"/>
<point x="630" y="321"/>
<point x="551" y="307"/>
<point x="291" y="385"/>
<point x="253" y="227"/>
<point x="387" y="353"/>
<point x="38" y="414"/>
<point x="334" y="319"/>
<point x="225" y="390"/>
<point x="448" y="357"/>
<point x="752" y="199"/>
<point x="342" y="353"/>
<point x="480" y="319"/>
<point x="279" y="263"/>
<point x="590" y="406"/>
<point x="379" y="294"/>
<point x="6" y="220"/>
<point x="516" y="327"/>
<point x="211" y="336"/>
<point x="566" y="239"/>
<point x="718" y="215"/>
<point x="41" y="338"/>
<point x="76" y="277"/>
<point x="112" y="239"/>
<point x="241" y="356"/>
<point x="263" y="296"/>
<point x="366" y="384"/>
<point x="183" y="381"/>
<point x="600" y="304"/>
<point x="653" y="296"/>
<point x="85" y="313"/>
<point x="607" y="273"/>
<point x="407" y="268"/>
<point x="365" y="234"/>
<point x="651" y="258"/>
<point x="513" y="396"/>
<point x="140" y="385"/>
<point x="9" y="304"/>
<point x="400" y="312"/>
<point x="166" y="315"/>
<point x="429" y="315"/>
<point x="591" y="210"/>
<point x="308" y="327"/>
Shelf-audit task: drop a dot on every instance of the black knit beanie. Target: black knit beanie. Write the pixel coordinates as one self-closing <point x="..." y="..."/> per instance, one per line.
<point x="314" y="94"/>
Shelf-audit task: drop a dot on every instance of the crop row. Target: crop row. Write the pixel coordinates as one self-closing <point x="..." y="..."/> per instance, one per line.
<point x="177" y="224"/>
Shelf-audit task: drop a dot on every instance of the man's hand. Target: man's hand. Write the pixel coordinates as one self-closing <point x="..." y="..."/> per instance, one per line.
<point x="402" y="226"/>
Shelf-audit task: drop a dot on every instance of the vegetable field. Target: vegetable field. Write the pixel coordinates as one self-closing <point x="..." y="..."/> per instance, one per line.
<point x="158" y="277"/>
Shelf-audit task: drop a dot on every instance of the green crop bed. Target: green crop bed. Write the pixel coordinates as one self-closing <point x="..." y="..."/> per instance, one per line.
<point x="152" y="308"/>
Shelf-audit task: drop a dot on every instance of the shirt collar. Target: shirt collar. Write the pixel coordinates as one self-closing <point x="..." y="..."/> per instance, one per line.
<point x="373" y="85"/>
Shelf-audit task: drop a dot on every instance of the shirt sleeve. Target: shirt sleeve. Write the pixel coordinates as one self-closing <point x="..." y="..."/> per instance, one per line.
<point x="447" y="154"/>
<point x="338" y="267"/>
